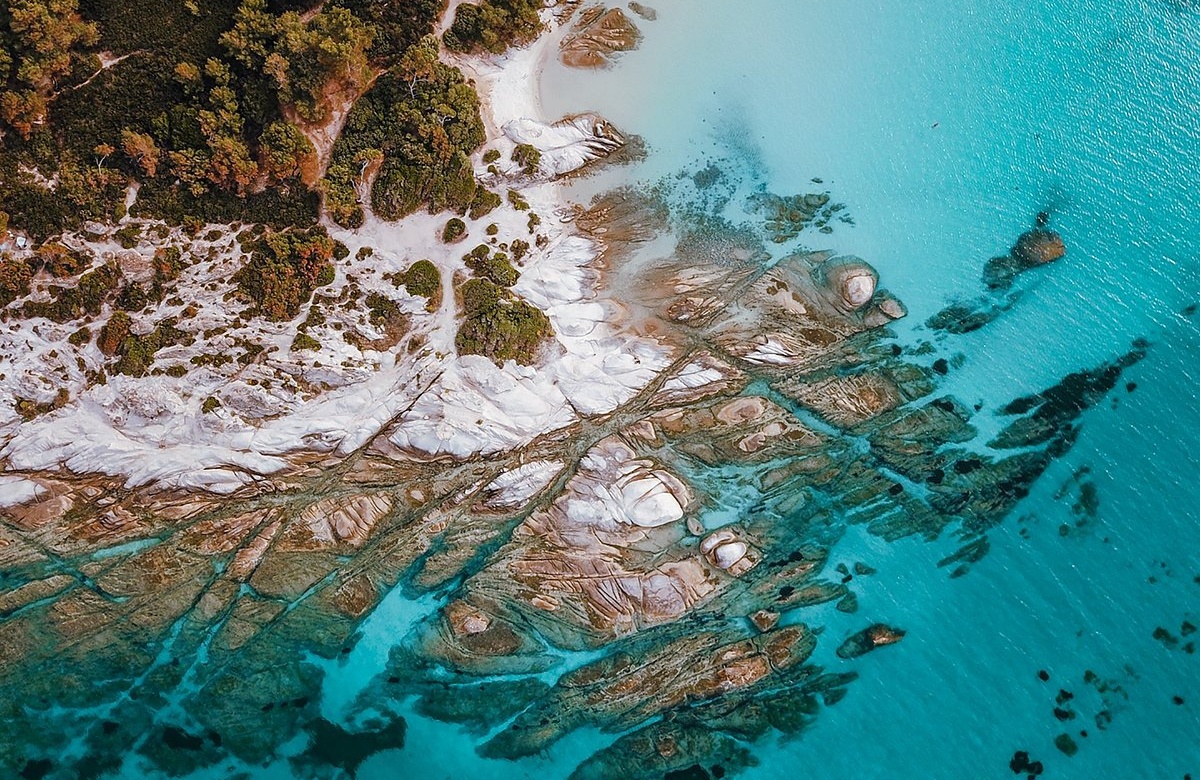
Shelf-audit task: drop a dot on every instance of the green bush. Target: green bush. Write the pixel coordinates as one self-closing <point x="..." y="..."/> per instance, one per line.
<point x="499" y="325"/>
<point x="381" y="309"/>
<point x="518" y="201"/>
<point x="15" y="276"/>
<point x="303" y="341"/>
<point x="455" y="230"/>
<point x="137" y="352"/>
<point x="494" y="268"/>
<point x="494" y="25"/>
<point x="129" y="236"/>
<point x="419" y="123"/>
<point x="484" y="203"/>
<point x="423" y="279"/>
<point x="284" y="269"/>
<point x="528" y="157"/>
<point x="519" y="249"/>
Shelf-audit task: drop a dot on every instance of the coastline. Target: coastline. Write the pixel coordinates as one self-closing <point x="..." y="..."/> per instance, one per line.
<point x="152" y="432"/>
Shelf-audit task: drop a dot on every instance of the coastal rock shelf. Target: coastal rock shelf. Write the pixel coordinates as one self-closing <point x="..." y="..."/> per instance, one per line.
<point x="630" y="532"/>
<point x="594" y="538"/>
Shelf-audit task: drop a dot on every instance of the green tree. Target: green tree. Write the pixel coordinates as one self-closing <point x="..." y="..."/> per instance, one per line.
<point x="38" y="39"/>
<point x="286" y="153"/>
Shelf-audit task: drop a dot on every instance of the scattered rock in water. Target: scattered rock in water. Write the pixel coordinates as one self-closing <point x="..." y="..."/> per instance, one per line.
<point x="36" y="769"/>
<point x="1033" y="249"/>
<point x="863" y="570"/>
<point x="333" y="745"/>
<point x="1043" y="675"/>
<point x="787" y="217"/>
<point x="178" y="739"/>
<point x="1066" y="744"/>
<point x="1038" y="247"/>
<point x="647" y="13"/>
<point x="870" y="638"/>
<point x="1021" y="764"/>
<point x="765" y="619"/>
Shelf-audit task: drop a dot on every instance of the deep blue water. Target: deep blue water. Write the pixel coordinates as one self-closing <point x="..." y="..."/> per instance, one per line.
<point x="944" y="127"/>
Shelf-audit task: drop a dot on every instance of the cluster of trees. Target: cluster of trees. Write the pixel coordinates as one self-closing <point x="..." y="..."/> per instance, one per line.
<point x="499" y="325"/>
<point x="40" y="43"/>
<point x="15" y="276"/>
<point x="494" y="25"/>
<point x="284" y="269"/>
<point x="493" y="267"/>
<point x="417" y="127"/>
<point x="207" y="104"/>
<point x="301" y="57"/>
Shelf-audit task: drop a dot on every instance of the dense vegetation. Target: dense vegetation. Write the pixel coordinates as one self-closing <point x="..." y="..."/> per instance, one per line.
<point x="285" y="268"/>
<point x="494" y="25"/>
<point x="499" y="325"/>
<point x="207" y="104"/>
<point x="415" y="130"/>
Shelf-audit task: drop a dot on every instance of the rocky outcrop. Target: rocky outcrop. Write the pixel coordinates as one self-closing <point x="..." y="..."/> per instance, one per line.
<point x="870" y="638"/>
<point x="1034" y="248"/>
<point x="678" y="537"/>
<point x="568" y="144"/>
<point x="598" y="37"/>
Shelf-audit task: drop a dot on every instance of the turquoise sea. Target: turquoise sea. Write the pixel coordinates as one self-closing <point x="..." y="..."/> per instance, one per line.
<point x="944" y="127"/>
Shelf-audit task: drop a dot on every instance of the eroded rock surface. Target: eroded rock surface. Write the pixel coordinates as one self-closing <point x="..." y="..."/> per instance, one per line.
<point x="598" y="37"/>
<point x="601" y="536"/>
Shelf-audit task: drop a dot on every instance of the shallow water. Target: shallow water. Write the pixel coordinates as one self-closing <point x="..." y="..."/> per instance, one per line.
<point x="945" y="128"/>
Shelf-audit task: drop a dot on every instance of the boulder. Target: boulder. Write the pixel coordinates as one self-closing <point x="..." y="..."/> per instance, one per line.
<point x="870" y="638"/>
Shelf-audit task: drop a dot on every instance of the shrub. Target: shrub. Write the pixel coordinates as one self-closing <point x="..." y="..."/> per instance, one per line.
<point x="494" y="25"/>
<point x="528" y="157"/>
<point x="168" y="262"/>
<point x="284" y="269"/>
<point x="381" y="308"/>
<point x="423" y="279"/>
<point x="519" y="249"/>
<point x="303" y="341"/>
<point x="114" y="332"/>
<point x="485" y="202"/>
<point x="495" y="268"/>
<point x="59" y="261"/>
<point x="137" y="352"/>
<point x="518" y="202"/>
<point x="499" y="325"/>
<point x="491" y="156"/>
<point x="15" y="276"/>
<point x="129" y="236"/>
<point x="455" y="230"/>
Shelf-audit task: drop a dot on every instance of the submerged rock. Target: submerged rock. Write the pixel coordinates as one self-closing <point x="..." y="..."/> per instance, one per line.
<point x="870" y="638"/>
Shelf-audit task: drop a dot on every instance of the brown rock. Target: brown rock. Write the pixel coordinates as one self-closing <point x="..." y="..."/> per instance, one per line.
<point x="598" y="37"/>
<point x="764" y="620"/>
<point x="1038" y="247"/>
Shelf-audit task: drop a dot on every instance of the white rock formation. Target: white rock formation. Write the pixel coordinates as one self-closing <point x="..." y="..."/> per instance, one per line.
<point x="568" y="144"/>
